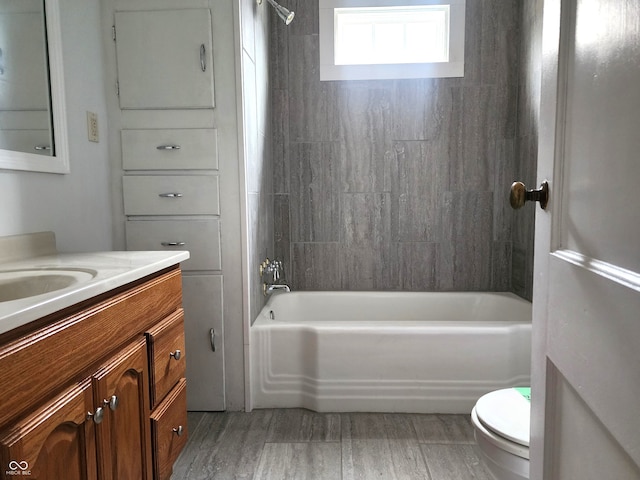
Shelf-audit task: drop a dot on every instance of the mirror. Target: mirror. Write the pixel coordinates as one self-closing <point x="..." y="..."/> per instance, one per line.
<point x="32" y="107"/>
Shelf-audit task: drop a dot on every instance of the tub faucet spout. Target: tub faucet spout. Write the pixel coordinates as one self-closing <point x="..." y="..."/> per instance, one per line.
<point x="274" y="288"/>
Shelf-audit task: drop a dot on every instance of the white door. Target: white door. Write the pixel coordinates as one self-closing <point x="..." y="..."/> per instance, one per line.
<point x="586" y="368"/>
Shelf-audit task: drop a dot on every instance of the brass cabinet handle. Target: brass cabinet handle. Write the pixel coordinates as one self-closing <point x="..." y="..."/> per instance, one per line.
<point x="176" y="355"/>
<point x="519" y="195"/>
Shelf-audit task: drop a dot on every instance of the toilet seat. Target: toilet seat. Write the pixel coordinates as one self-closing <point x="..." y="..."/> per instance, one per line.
<point x="501" y="443"/>
<point x="503" y="416"/>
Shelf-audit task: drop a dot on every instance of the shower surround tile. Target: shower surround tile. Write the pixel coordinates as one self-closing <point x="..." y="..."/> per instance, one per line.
<point x="313" y="112"/>
<point x="441" y="152"/>
<point x="365" y="119"/>
<point x="315" y="192"/>
<point x="473" y="138"/>
<point x="467" y="241"/>
<point x="366" y="219"/>
<point x="281" y="233"/>
<point x="315" y="266"/>
<point x="280" y="140"/>
<point x="418" y="266"/>
<point x="417" y="171"/>
<point x="421" y="109"/>
<point x="366" y="266"/>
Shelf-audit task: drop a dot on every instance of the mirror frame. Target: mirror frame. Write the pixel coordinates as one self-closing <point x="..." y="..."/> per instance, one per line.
<point x="58" y="163"/>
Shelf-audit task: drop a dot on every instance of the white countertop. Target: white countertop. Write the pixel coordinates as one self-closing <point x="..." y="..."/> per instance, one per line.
<point x="112" y="270"/>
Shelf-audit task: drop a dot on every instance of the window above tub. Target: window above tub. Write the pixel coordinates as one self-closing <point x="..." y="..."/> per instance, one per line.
<point x="390" y="39"/>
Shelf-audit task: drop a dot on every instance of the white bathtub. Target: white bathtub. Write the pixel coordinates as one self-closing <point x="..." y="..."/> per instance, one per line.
<point x="388" y="351"/>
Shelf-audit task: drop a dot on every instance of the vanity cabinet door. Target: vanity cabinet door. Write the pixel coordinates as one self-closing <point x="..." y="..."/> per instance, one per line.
<point x="123" y="438"/>
<point x="164" y="59"/>
<point x="56" y="441"/>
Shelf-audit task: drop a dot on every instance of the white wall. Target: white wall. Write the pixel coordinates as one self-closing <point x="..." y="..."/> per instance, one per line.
<point x="75" y="206"/>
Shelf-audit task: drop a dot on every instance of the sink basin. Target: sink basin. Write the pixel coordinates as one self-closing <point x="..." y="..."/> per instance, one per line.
<point x="16" y="284"/>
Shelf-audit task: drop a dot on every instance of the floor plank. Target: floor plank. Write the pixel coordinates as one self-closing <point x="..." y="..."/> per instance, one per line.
<point x="298" y="444"/>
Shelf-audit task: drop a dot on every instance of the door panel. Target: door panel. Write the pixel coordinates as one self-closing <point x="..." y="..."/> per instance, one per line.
<point x="586" y="363"/>
<point x="205" y="368"/>
<point x="55" y="442"/>
<point x="164" y="59"/>
<point x="578" y="430"/>
<point x="124" y="437"/>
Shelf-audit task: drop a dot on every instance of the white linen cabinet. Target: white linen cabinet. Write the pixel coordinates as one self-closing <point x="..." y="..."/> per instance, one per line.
<point x="171" y="178"/>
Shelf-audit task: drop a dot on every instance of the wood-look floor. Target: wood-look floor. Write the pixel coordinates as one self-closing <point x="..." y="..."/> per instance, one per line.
<point x="298" y="444"/>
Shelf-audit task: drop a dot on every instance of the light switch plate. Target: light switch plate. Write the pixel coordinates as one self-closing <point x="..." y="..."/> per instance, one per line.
<point x="92" y="127"/>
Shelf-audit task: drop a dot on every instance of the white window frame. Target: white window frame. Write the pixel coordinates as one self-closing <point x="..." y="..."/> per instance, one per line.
<point x="330" y="71"/>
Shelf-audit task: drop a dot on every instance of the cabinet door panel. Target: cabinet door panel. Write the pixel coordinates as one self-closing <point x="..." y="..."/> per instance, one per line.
<point x="123" y="438"/>
<point x="164" y="59"/>
<point x="57" y="441"/>
<point x="205" y="368"/>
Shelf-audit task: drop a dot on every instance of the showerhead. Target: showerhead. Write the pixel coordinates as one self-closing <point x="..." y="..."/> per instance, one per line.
<point x="285" y="14"/>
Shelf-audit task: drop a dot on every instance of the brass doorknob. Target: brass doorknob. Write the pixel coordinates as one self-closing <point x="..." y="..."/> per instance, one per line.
<point x="519" y="195"/>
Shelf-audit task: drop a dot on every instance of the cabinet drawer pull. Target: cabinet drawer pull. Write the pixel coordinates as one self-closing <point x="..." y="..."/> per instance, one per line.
<point x="212" y="338"/>
<point x="173" y="244"/>
<point x="112" y="403"/>
<point x="170" y="195"/>
<point x="98" y="416"/>
<point x="203" y="59"/>
<point x="178" y="431"/>
<point x="40" y="148"/>
<point x="168" y="147"/>
<point x="176" y="355"/>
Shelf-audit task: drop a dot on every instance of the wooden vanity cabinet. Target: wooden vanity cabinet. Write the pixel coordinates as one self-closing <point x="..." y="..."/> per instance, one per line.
<point x="91" y="418"/>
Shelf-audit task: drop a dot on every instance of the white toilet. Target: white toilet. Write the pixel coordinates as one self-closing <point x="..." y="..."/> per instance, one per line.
<point x="501" y="426"/>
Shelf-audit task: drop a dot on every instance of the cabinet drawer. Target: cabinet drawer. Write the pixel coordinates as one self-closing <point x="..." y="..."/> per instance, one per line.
<point x="166" y="355"/>
<point x="200" y="237"/>
<point x="172" y="149"/>
<point x="171" y="195"/>
<point x="169" y="430"/>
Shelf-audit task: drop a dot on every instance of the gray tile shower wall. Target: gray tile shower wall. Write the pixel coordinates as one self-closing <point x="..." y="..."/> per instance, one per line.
<point x="403" y="184"/>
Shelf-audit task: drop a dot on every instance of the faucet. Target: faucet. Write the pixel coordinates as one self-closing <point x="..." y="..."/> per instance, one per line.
<point x="272" y="273"/>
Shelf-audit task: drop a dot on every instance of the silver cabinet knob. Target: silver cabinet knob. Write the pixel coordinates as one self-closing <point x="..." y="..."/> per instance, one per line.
<point x="98" y="416"/>
<point x="176" y="355"/>
<point x="178" y="431"/>
<point x="113" y="402"/>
